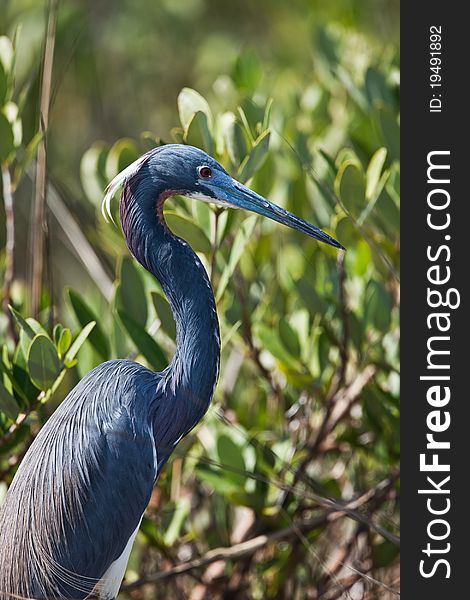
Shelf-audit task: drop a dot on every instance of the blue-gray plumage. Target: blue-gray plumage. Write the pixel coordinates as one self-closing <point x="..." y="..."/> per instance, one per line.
<point x="77" y="500"/>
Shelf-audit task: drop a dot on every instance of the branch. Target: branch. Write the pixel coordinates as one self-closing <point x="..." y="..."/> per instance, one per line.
<point x="4" y="440"/>
<point x="247" y="335"/>
<point x="38" y="223"/>
<point x="80" y="244"/>
<point x="235" y="552"/>
<point x="344" y="398"/>
<point x="10" y="243"/>
<point x="249" y="547"/>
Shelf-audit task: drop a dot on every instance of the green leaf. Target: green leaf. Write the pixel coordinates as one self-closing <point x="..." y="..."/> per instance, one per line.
<point x="10" y="110"/>
<point x="378" y="306"/>
<point x="165" y="315"/>
<point x="27" y="333"/>
<point x="189" y="103"/>
<point x="84" y="315"/>
<point x="93" y="172"/>
<point x="350" y="186"/>
<point x="203" y="215"/>
<point x="8" y="404"/>
<point x="257" y="155"/>
<point x="383" y="554"/>
<point x="239" y="243"/>
<point x="217" y="479"/>
<point x="393" y="184"/>
<point x="122" y="154"/>
<point x="130" y="294"/>
<point x="377" y="88"/>
<point x="390" y="131"/>
<point x="7" y="140"/>
<point x="22" y="323"/>
<point x="233" y="138"/>
<point x="289" y="338"/>
<point x="43" y="362"/>
<point x="231" y="456"/>
<point x="271" y="342"/>
<point x="78" y="343"/>
<point x="6" y="52"/>
<point x="21" y="383"/>
<point x="56" y="332"/>
<point x="145" y="344"/>
<point x="64" y="341"/>
<point x="198" y="134"/>
<point x="189" y="231"/>
<point x="247" y="72"/>
<point x="3" y="85"/>
<point x="180" y="515"/>
<point x="374" y="171"/>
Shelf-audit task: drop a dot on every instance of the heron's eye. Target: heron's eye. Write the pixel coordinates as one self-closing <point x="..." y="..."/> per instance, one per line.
<point x="205" y="172"/>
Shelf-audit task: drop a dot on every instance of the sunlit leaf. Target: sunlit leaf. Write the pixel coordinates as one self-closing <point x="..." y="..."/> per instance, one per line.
<point x="234" y="138"/>
<point x="374" y="171"/>
<point x="189" y="103"/>
<point x="78" y="343"/>
<point x="241" y="239"/>
<point x="255" y="158"/>
<point x="180" y="514"/>
<point x="6" y="52"/>
<point x="197" y="133"/>
<point x="271" y="341"/>
<point x="231" y="456"/>
<point x="64" y="342"/>
<point x="217" y="479"/>
<point x="188" y="231"/>
<point x="350" y="186"/>
<point x="120" y="156"/>
<point x="93" y="171"/>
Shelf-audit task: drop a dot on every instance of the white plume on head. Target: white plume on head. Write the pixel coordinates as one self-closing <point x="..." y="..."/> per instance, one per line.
<point x="116" y="183"/>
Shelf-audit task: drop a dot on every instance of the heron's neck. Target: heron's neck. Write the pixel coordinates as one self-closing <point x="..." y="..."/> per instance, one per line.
<point x="192" y="374"/>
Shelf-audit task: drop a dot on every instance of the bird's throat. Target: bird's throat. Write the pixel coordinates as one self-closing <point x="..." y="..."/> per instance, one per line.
<point x="192" y="374"/>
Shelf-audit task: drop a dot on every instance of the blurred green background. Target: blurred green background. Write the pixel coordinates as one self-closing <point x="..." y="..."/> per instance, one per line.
<point x="301" y="100"/>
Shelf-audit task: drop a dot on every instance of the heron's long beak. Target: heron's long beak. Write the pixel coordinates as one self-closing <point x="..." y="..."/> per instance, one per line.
<point x="242" y="197"/>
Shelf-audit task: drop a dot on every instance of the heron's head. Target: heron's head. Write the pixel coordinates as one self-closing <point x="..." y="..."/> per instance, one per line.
<point x="188" y="171"/>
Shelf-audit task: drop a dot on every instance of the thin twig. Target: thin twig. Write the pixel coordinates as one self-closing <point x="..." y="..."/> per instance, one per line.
<point x="5" y="439"/>
<point x="9" y="245"/>
<point x="82" y="247"/>
<point x="344" y="342"/>
<point x="38" y="224"/>
<point x="249" y="547"/>
<point x="234" y="552"/>
<point x="247" y="335"/>
<point x="346" y="397"/>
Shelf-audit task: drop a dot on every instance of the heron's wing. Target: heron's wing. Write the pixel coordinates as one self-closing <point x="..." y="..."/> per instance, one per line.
<point x="83" y="486"/>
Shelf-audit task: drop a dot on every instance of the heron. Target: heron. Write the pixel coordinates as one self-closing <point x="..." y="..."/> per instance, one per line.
<point x="75" y="505"/>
